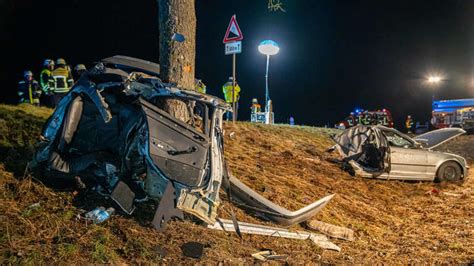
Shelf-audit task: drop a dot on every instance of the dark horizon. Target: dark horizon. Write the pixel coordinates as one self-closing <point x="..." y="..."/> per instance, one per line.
<point x="335" y="55"/>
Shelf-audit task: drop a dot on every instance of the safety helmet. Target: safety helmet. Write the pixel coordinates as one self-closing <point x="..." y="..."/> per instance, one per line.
<point x="254" y="100"/>
<point x="80" y="67"/>
<point x="48" y="62"/>
<point x="231" y="78"/>
<point x="60" y="62"/>
<point x="27" y="73"/>
<point x="409" y="116"/>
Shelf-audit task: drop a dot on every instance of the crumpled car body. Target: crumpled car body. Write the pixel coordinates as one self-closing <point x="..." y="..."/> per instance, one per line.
<point x="110" y="127"/>
<point x="405" y="158"/>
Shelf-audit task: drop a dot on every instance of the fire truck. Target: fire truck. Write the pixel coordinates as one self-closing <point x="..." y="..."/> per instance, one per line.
<point x="361" y="117"/>
<point x="453" y="113"/>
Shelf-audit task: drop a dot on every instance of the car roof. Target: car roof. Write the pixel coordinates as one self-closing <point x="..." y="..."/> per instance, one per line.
<point x="129" y="64"/>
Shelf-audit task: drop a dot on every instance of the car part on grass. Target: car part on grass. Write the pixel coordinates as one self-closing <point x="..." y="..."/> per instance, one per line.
<point x="268" y="255"/>
<point x="251" y="200"/>
<point x="331" y="230"/>
<point x="112" y="127"/>
<point x="404" y="158"/>
<point x="193" y="250"/>
<point x="256" y="229"/>
<point x="166" y="209"/>
<point x="123" y="196"/>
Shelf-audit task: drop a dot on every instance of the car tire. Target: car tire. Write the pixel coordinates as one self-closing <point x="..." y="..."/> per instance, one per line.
<point x="449" y="171"/>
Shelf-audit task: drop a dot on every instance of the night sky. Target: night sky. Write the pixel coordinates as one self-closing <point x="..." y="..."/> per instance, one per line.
<point x="335" y="55"/>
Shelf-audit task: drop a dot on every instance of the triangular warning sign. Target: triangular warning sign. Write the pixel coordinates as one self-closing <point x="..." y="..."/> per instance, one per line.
<point x="233" y="32"/>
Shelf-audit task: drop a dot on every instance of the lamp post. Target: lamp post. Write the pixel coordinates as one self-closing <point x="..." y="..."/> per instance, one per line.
<point x="268" y="48"/>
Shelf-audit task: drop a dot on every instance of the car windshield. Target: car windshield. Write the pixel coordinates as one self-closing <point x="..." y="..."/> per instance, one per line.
<point x="395" y="140"/>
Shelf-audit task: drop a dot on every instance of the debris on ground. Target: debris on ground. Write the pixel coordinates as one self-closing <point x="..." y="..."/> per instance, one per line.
<point x="257" y="229"/>
<point x="331" y="230"/>
<point x="268" y="255"/>
<point x="193" y="250"/>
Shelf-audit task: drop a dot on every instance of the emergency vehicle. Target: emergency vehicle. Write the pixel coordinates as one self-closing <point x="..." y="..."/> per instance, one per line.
<point x="360" y="117"/>
<point x="453" y="113"/>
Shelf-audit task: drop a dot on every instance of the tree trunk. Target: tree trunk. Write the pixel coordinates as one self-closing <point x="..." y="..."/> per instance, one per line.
<point x="177" y="60"/>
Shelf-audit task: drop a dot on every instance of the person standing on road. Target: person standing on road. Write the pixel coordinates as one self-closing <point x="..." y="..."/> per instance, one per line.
<point x="227" y="90"/>
<point x="29" y="90"/>
<point x="62" y="79"/>
<point x="409" y="124"/>
<point x="47" y="86"/>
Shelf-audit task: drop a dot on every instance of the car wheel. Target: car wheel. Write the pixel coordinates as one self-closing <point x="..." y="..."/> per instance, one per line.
<point x="449" y="171"/>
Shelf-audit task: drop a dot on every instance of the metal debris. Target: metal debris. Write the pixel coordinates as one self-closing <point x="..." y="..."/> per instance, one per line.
<point x="256" y="229"/>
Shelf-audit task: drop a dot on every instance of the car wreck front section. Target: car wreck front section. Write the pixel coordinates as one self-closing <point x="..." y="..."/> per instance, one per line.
<point x="112" y="128"/>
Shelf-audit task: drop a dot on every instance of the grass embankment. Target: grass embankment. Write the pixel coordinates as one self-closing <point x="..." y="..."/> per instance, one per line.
<point x="393" y="221"/>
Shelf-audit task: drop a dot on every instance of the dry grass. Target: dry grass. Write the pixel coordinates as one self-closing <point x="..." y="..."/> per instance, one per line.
<point x="393" y="221"/>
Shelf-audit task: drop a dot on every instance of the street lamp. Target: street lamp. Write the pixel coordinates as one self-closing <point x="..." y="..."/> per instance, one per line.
<point x="268" y="47"/>
<point x="434" y="79"/>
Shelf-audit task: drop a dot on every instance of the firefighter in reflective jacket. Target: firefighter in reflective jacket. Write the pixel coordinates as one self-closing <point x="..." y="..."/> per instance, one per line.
<point x="409" y="124"/>
<point x="227" y="89"/>
<point x="29" y="90"/>
<point x="62" y="79"/>
<point x="200" y="86"/>
<point x="351" y="121"/>
<point x="46" y="83"/>
<point x="255" y="108"/>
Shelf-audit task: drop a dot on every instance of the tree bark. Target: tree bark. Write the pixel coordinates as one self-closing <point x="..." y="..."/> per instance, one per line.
<point x="177" y="60"/>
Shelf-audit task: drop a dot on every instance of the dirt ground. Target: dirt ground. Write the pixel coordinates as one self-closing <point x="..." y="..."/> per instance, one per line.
<point x="394" y="221"/>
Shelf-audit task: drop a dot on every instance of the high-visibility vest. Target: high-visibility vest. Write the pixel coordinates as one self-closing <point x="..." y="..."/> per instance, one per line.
<point x="29" y="92"/>
<point x="45" y="80"/>
<point x="227" y="90"/>
<point x="63" y="80"/>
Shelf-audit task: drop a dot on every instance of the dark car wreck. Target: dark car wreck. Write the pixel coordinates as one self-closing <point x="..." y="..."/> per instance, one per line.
<point x="112" y="133"/>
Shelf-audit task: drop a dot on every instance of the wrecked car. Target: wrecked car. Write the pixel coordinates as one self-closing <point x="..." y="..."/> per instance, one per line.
<point x="112" y="132"/>
<point x="386" y="153"/>
<point x="110" y="128"/>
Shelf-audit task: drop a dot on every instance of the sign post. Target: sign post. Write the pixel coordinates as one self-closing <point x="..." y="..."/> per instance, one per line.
<point x="233" y="46"/>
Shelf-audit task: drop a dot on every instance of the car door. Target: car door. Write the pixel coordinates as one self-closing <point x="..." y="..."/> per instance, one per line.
<point x="176" y="148"/>
<point x="408" y="161"/>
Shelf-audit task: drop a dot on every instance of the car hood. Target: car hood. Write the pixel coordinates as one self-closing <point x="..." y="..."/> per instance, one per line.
<point x="437" y="137"/>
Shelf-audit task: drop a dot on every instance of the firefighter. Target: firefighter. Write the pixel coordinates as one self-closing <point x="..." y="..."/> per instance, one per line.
<point x="409" y="124"/>
<point x="255" y="108"/>
<point x="47" y="86"/>
<point x="351" y="121"/>
<point x="79" y="70"/>
<point x="227" y="90"/>
<point x="199" y="86"/>
<point x="62" y="79"/>
<point x="29" y="90"/>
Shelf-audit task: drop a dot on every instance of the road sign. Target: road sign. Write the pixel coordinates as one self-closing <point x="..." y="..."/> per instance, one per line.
<point x="233" y="48"/>
<point x="233" y="32"/>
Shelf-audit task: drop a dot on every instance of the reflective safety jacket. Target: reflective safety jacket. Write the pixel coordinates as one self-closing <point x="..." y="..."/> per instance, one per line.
<point x="62" y="79"/>
<point x="255" y="108"/>
<point x="227" y="90"/>
<point x="29" y="92"/>
<point x="46" y="81"/>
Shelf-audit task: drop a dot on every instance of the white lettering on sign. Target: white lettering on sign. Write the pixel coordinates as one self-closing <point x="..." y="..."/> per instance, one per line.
<point x="233" y="48"/>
